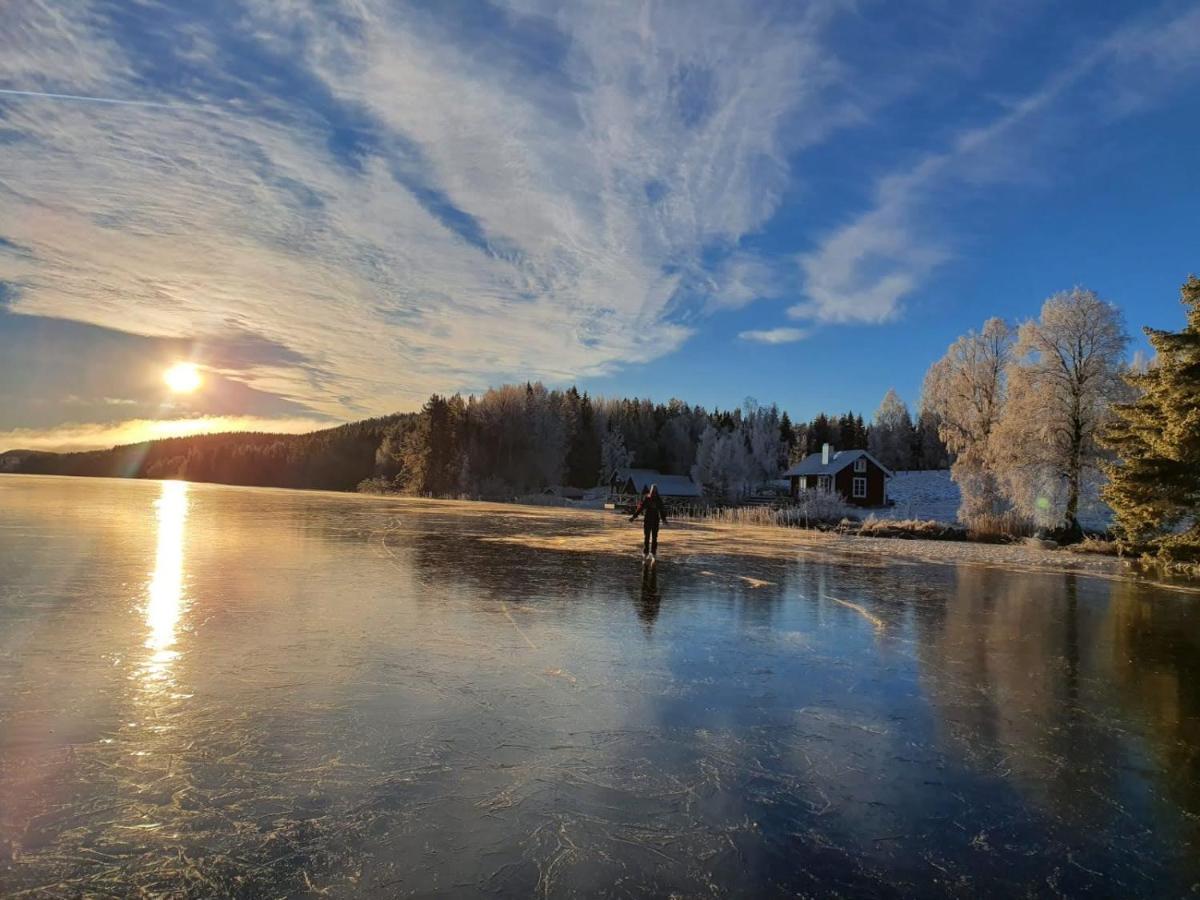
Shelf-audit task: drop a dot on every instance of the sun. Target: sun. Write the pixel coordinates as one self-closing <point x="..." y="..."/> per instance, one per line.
<point x="182" y="378"/>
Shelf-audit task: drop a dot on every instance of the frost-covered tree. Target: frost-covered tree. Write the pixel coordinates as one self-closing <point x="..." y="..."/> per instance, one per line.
<point x="765" y="449"/>
<point x="613" y="454"/>
<point x="891" y="436"/>
<point x="1062" y="381"/>
<point x="1155" y="484"/>
<point x="965" y="390"/>
<point x="723" y="464"/>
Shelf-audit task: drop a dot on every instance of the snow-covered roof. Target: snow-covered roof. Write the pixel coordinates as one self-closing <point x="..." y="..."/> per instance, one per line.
<point x="668" y="485"/>
<point x="812" y="465"/>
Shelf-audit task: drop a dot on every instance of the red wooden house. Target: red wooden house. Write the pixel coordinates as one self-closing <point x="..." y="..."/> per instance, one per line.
<point x="859" y="477"/>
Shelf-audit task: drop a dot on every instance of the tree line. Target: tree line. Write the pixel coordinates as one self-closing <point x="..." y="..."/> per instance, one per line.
<point x="517" y="439"/>
<point x="334" y="459"/>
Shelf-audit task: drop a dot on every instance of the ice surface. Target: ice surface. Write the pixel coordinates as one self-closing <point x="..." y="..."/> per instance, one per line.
<point x="210" y="691"/>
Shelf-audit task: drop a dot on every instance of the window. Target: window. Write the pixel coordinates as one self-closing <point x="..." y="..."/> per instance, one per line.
<point x="859" y="489"/>
<point x="860" y="465"/>
<point x="824" y="483"/>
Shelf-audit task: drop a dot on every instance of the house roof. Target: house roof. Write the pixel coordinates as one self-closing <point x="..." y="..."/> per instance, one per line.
<point x="668" y="485"/>
<point x="812" y="465"/>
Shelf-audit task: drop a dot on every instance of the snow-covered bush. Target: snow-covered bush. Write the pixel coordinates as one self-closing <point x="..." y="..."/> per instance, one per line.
<point x="817" y="508"/>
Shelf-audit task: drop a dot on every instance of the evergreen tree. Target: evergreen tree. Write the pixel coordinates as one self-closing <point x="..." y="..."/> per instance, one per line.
<point x="891" y="435"/>
<point x="787" y="436"/>
<point x="1155" y="485"/>
<point x="583" y="461"/>
<point x="820" y="431"/>
<point x="930" y="452"/>
<point x="845" y="432"/>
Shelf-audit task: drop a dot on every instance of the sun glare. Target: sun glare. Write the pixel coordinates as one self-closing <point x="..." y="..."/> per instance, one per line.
<point x="182" y="378"/>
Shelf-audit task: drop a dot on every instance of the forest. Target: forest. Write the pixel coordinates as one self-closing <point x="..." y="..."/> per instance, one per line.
<point x="334" y="459"/>
<point x="518" y="439"/>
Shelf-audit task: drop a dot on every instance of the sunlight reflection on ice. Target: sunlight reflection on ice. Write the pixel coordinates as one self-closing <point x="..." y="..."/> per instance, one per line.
<point x="165" y="603"/>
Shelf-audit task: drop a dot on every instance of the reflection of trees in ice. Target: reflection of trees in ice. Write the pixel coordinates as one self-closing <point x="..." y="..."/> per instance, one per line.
<point x="1020" y="668"/>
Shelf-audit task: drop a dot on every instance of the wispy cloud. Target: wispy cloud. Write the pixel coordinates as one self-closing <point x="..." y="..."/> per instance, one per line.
<point x="864" y="269"/>
<point x="775" y="335"/>
<point x="76" y="98"/>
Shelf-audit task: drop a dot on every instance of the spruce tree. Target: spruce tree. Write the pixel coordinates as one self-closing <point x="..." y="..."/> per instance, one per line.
<point x="1155" y="484"/>
<point x="787" y="434"/>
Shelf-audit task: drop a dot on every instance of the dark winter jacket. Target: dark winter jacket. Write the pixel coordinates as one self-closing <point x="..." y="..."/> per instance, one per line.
<point x="653" y="508"/>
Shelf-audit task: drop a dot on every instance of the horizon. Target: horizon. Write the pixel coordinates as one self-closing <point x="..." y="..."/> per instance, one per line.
<point x="801" y="205"/>
<point x="84" y="440"/>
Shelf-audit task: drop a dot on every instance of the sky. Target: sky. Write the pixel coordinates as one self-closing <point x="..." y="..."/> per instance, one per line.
<point x="337" y="207"/>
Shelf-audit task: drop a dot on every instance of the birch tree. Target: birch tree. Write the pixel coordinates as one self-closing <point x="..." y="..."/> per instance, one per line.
<point x="1063" y="378"/>
<point x="765" y="450"/>
<point x="613" y="454"/>
<point x="965" y="391"/>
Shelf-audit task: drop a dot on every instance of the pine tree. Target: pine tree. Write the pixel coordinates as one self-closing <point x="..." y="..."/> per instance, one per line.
<point x="787" y="435"/>
<point x="820" y="431"/>
<point x="1155" y="484"/>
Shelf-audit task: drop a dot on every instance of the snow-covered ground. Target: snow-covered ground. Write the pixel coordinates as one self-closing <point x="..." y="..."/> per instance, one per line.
<point x="933" y="495"/>
<point x="922" y="495"/>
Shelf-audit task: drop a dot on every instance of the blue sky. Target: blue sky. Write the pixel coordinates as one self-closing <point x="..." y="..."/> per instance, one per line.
<point x="336" y="208"/>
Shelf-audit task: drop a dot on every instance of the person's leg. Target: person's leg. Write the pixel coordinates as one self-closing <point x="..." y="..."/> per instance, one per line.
<point x="646" y="540"/>
<point x="654" y="541"/>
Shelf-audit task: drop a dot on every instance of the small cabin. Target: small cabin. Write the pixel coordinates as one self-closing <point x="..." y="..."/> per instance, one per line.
<point x="670" y="487"/>
<point x="856" y="475"/>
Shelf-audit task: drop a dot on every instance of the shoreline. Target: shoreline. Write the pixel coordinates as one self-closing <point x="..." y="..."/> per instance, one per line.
<point x="690" y="540"/>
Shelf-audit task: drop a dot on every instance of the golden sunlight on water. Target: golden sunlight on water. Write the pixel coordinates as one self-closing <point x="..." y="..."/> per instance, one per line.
<point x="165" y="602"/>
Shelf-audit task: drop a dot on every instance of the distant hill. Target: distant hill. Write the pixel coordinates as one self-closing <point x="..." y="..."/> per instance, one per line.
<point x="333" y="459"/>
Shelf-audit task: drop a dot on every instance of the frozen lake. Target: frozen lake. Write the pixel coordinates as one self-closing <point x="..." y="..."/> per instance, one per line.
<point x="209" y="691"/>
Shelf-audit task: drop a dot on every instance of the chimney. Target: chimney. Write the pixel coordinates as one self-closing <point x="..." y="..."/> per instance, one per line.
<point x="826" y="454"/>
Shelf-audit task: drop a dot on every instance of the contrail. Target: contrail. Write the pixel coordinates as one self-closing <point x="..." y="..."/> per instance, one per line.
<point x="112" y="100"/>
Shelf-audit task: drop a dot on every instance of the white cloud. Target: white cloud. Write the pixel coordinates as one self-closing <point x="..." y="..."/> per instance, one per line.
<point x="776" y="335"/>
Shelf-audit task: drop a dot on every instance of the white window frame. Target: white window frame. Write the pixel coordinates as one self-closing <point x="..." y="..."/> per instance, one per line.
<point x="855" y="491"/>
<point x="824" y="482"/>
<point x="860" y="465"/>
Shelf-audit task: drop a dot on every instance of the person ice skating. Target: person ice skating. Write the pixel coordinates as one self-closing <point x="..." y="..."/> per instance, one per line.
<point x="653" y="512"/>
